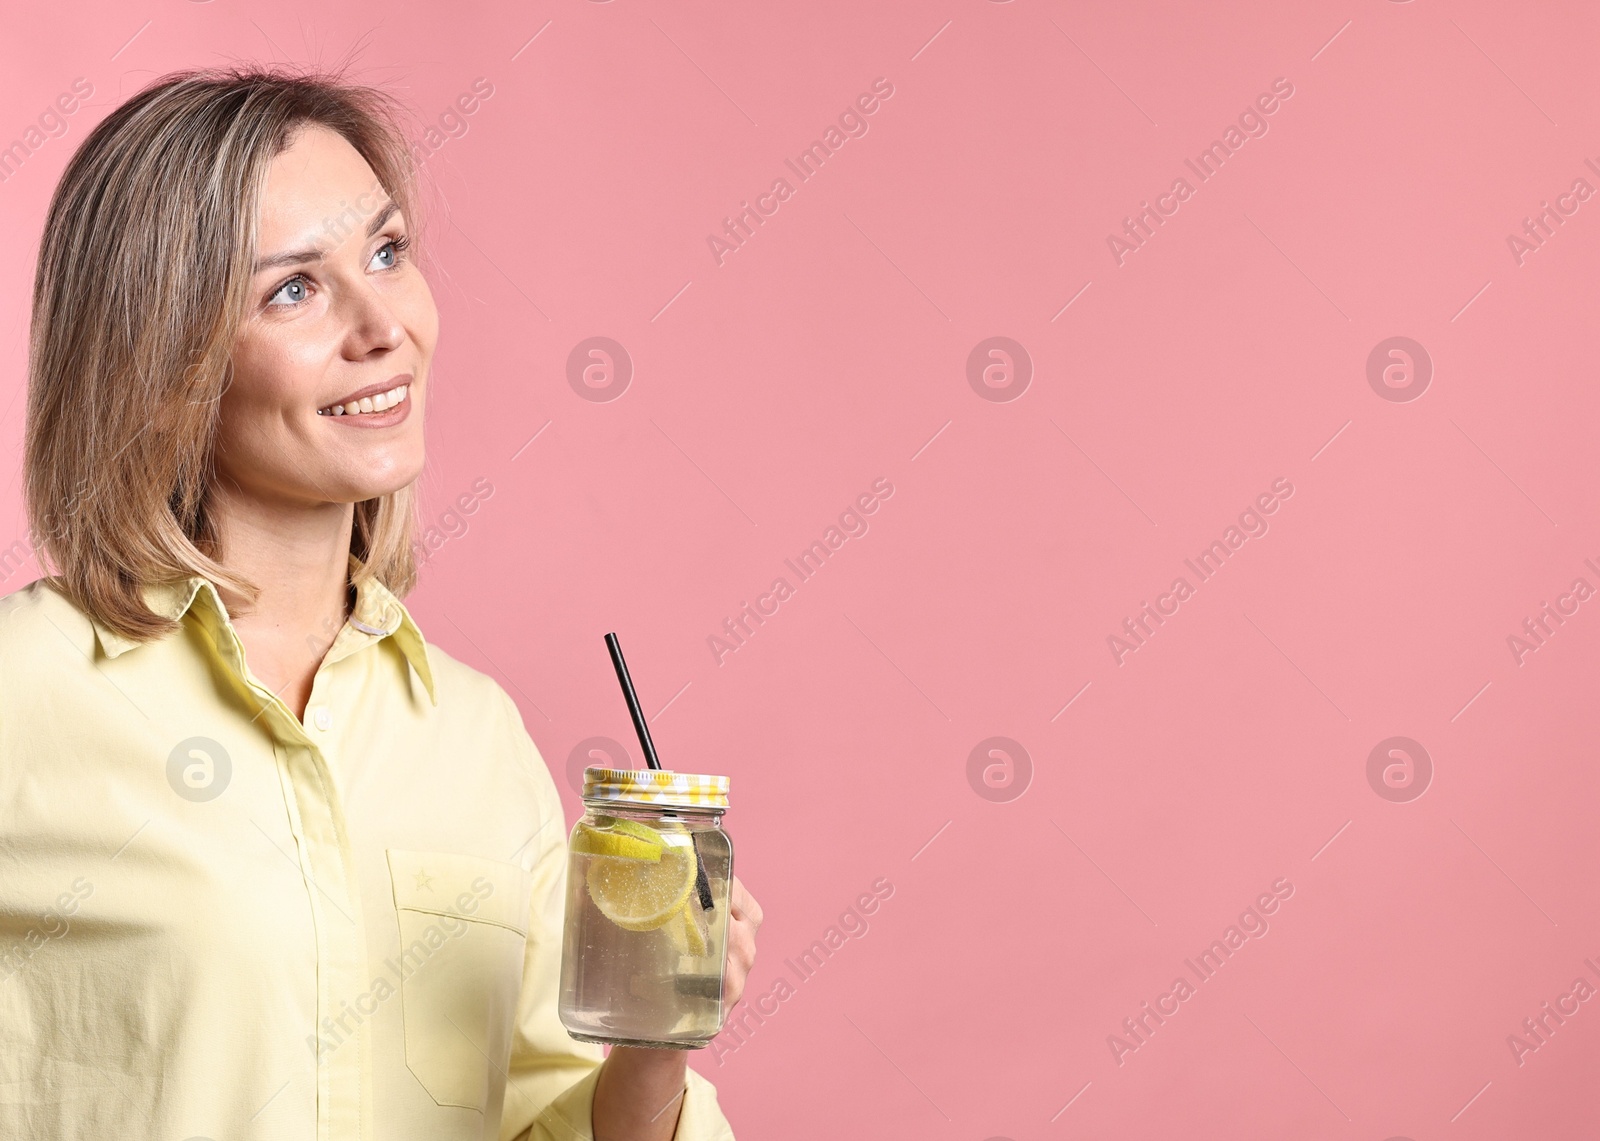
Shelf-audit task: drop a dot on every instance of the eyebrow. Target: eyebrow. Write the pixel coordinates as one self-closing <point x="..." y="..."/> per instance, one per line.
<point x="303" y="257"/>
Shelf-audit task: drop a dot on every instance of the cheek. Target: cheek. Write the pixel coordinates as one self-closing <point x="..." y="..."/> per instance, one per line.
<point x="261" y="384"/>
<point x="276" y="368"/>
<point x="279" y="371"/>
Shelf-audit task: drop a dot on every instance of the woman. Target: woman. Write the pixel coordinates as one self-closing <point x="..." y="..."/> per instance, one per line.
<point x="270" y="864"/>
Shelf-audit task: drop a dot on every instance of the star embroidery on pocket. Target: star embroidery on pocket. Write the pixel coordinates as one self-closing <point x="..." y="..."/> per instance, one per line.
<point x="424" y="880"/>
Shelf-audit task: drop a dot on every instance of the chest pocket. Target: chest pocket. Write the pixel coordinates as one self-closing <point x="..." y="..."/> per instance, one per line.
<point x="463" y="934"/>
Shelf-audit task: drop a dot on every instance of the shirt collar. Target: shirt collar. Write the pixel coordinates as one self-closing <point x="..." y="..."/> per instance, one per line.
<point x="377" y="614"/>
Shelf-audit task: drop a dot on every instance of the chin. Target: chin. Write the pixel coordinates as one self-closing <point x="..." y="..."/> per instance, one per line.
<point x="387" y="487"/>
<point x="389" y="479"/>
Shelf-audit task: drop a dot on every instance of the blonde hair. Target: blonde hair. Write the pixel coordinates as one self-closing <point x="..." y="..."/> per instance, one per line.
<point x="142" y="284"/>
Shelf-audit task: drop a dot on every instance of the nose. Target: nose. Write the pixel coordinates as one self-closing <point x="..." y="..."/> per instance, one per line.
<point x="374" y="328"/>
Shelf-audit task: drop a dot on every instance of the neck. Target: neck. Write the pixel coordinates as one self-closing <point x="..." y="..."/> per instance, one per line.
<point x="297" y="556"/>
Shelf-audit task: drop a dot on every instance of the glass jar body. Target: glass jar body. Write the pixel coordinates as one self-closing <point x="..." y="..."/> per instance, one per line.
<point x="638" y="967"/>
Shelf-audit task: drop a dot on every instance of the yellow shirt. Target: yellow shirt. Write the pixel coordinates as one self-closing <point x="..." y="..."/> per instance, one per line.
<point x="219" y="922"/>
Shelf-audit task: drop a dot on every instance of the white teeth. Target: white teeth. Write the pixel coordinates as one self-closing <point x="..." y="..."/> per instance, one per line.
<point x="367" y="404"/>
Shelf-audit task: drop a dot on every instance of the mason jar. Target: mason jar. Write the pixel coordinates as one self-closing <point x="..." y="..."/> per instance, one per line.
<point x="646" y="938"/>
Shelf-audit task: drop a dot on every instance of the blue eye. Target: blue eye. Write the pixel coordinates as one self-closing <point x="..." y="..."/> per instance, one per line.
<point x="388" y="255"/>
<point x="291" y="292"/>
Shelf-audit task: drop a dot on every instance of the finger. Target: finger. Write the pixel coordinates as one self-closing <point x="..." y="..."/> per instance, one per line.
<point x="743" y="904"/>
<point x="741" y="950"/>
<point x="741" y="959"/>
<point x="733" y="983"/>
<point x="742" y="936"/>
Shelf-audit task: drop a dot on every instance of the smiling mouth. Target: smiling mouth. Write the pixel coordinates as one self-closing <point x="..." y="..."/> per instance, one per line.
<point x="367" y="405"/>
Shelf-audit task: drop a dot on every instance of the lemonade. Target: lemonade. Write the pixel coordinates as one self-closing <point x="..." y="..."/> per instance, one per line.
<point x="643" y="956"/>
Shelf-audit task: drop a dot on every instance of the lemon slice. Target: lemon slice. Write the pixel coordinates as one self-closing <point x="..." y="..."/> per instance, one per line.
<point x="641" y="894"/>
<point x="642" y="831"/>
<point x="621" y="844"/>
<point x="685" y="930"/>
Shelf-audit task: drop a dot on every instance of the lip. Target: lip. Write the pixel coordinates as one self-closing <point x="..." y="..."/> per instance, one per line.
<point x="371" y="389"/>
<point x="385" y="419"/>
<point x="388" y="418"/>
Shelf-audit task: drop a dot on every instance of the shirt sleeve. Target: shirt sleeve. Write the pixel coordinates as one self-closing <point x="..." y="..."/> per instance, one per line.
<point x="551" y="1078"/>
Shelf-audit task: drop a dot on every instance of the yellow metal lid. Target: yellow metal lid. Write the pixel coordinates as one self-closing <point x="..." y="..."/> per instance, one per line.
<point x="656" y="786"/>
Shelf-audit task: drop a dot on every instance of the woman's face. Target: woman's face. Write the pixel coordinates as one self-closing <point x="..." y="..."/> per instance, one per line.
<point x="330" y="366"/>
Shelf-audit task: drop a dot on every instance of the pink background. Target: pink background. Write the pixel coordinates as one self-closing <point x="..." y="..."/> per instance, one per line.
<point x="767" y="392"/>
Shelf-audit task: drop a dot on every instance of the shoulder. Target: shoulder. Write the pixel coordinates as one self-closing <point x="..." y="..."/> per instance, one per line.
<point x="47" y="646"/>
<point x="38" y="623"/>
<point x="472" y="698"/>
<point x="472" y="693"/>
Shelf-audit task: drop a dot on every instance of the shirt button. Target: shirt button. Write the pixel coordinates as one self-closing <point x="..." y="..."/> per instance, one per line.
<point x="322" y="718"/>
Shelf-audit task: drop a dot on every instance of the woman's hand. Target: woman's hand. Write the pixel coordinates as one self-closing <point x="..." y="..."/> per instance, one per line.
<point x="744" y="916"/>
<point x="640" y="1090"/>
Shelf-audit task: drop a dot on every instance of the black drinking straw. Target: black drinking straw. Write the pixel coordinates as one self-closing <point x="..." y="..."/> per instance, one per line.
<point x="702" y="887"/>
<point x="632" y="699"/>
